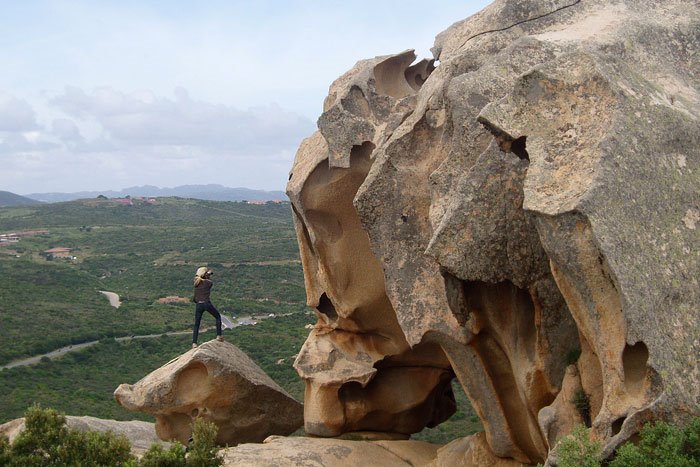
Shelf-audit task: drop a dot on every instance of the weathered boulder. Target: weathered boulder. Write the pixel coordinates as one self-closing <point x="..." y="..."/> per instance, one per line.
<point x="141" y="435"/>
<point x="531" y="202"/>
<point x="217" y="382"/>
<point x="314" y="452"/>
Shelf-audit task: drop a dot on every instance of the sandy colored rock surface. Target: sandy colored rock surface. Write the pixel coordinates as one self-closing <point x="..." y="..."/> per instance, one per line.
<point x="219" y="383"/>
<point x="471" y="451"/>
<point x="359" y="370"/>
<point x="316" y="452"/>
<point x="140" y="434"/>
<point x="528" y="204"/>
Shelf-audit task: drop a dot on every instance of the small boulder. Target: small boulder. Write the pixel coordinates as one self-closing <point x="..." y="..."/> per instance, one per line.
<point x="220" y="383"/>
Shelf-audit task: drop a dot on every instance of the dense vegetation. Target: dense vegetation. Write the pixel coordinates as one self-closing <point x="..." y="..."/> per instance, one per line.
<point x="660" y="444"/>
<point x="145" y="252"/>
<point x="82" y="383"/>
<point x="47" y="441"/>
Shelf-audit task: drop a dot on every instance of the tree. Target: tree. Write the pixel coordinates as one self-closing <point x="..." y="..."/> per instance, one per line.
<point x="203" y="449"/>
<point x="662" y="445"/>
<point x="578" y="450"/>
<point x="47" y="441"/>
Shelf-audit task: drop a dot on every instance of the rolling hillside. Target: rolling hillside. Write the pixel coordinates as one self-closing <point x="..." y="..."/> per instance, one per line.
<point x="143" y="252"/>
<point x="146" y="253"/>
<point x="11" y="199"/>
<point x="211" y="192"/>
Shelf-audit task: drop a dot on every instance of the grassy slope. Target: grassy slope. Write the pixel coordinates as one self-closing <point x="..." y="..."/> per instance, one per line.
<point x="143" y="253"/>
<point x="82" y="383"/>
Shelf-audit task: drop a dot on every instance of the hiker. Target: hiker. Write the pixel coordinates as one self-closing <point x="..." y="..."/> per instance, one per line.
<point x="202" y="289"/>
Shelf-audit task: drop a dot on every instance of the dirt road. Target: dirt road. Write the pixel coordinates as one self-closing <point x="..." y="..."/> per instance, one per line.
<point x="241" y="321"/>
<point x="112" y="297"/>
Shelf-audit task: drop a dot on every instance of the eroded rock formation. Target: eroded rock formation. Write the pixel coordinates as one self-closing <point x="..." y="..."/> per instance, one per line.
<point x="217" y="382"/>
<point x="529" y="204"/>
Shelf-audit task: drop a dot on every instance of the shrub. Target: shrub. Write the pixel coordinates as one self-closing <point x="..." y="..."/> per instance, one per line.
<point x="572" y="356"/>
<point x="46" y="441"/>
<point x="662" y="445"/>
<point x="691" y="447"/>
<point x="39" y="443"/>
<point x="156" y="456"/>
<point x="581" y="402"/>
<point x="5" y="454"/>
<point x="578" y="450"/>
<point x="94" y="448"/>
<point x="203" y="449"/>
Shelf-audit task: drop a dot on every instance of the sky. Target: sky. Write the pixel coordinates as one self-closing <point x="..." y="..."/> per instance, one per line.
<point x="98" y="95"/>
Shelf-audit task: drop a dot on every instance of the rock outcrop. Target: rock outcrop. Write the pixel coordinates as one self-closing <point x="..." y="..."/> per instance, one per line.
<point x="217" y="382"/>
<point x="360" y="372"/>
<point x="315" y="452"/>
<point x="523" y="215"/>
<point x="141" y="435"/>
<point x="471" y="451"/>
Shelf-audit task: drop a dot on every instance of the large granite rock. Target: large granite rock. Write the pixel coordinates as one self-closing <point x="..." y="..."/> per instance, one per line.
<point x="217" y="382"/>
<point x="141" y="435"/>
<point x="529" y="203"/>
<point x="316" y="452"/>
<point x="360" y="372"/>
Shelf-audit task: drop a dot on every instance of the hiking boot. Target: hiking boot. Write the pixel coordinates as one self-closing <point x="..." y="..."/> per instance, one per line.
<point x="194" y="346"/>
<point x="220" y="338"/>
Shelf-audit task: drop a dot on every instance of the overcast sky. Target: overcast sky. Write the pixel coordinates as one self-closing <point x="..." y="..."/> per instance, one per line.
<point x="98" y="95"/>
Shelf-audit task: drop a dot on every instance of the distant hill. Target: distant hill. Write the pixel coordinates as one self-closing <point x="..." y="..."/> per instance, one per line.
<point x="11" y="199"/>
<point x="206" y="192"/>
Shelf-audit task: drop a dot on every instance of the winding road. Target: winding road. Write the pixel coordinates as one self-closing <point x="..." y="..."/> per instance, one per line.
<point x="241" y="321"/>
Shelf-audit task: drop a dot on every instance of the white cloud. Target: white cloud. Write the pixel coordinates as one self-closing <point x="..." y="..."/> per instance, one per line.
<point x="16" y="115"/>
<point x="109" y="139"/>
<point x="231" y="56"/>
<point x="142" y="119"/>
<point x="66" y="130"/>
<point x="20" y="143"/>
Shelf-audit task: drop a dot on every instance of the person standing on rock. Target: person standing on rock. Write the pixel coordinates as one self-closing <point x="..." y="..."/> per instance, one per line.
<point x="202" y="291"/>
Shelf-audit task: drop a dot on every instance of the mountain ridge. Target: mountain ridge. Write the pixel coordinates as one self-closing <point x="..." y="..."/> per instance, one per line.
<point x="211" y="192"/>
<point x="9" y="199"/>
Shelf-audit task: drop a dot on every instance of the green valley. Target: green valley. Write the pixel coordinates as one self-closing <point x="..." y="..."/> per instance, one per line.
<point x="146" y="251"/>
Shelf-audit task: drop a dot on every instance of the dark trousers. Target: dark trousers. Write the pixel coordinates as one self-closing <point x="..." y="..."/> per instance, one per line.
<point x="198" y="312"/>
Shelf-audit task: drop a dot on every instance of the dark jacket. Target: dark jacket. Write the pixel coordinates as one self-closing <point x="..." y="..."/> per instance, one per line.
<point x="202" y="291"/>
